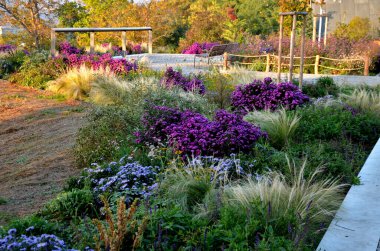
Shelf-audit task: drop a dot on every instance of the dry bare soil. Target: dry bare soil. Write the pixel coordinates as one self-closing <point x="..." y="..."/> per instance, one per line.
<point x="37" y="133"/>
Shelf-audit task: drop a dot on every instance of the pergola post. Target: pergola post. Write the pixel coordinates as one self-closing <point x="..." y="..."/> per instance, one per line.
<point x="53" y="42"/>
<point x="280" y="48"/>
<point x="124" y="42"/>
<point x="92" y="42"/>
<point x="150" y="41"/>
<point x="292" y="41"/>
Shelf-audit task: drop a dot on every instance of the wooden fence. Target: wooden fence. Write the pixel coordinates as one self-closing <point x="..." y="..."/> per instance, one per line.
<point x="317" y="62"/>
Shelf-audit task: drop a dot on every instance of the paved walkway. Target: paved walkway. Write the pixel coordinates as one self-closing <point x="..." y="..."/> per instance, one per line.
<point x="356" y="226"/>
<point x="186" y="63"/>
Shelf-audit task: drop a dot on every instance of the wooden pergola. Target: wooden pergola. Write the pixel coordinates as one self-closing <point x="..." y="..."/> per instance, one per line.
<point x="92" y="31"/>
<point x="292" y="42"/>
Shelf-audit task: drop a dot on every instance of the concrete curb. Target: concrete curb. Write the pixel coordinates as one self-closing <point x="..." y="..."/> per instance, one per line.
<point x="356" y="226"/>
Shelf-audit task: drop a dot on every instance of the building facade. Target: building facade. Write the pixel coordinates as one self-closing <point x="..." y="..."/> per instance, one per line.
<point x="343" y="11"/>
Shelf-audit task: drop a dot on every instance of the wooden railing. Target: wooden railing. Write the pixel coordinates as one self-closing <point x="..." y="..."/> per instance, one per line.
<point x="318" y="62"/>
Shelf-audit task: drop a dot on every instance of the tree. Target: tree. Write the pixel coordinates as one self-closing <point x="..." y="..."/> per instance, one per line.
<point x="207" y="22"/>
<point x="70" y="13"/>
<point x="261" y="16"/>
<point x="34" y="16"/>
<point x="358" y="28"/>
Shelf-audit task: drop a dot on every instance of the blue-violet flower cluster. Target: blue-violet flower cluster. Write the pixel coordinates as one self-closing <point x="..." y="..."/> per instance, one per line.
<point x="124" y="176"/>
<point x="12" y="242"/>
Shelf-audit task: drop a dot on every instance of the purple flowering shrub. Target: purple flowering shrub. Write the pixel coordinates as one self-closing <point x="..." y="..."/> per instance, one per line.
<point x="260" y="95"/>
<point x="66" y="48"/>
<point x="175" y="78"/>
<point x="7" y="48"/>
<point x="12" y="242"/>
<point x="197" y="48"/>
<point x="130" y="178"/>
<point x="75" y="58"/>
<point x="192" y="134"/>
<point x="156" y="120"/>
<point x="119" y="66"/>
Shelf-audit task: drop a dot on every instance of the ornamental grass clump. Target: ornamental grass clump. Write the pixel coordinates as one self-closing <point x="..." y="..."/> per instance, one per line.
<point x="76" y="83"/>
<point x="363" y="100"/>
<point x="280" y="125"/>
<point x="115" y="91"/>
<point x="174" y="78"/>
<point x="192" y="185"/>
<point x="309" y="197"/>
<point x="266" y="95"/>
<point x="192" y="134"/>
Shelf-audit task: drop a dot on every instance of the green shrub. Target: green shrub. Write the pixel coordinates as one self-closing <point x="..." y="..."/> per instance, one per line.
<point x="219" y="89"/>
<point x="108" y="130"/>
<point x="70" y="205"/>
<point x="338" y="158"/>
<point x="324" y="86"/>
<point x="3" y="201"/>
<point x="41" y="225"/>
<point x="37" y="70"/>
<point x="11" y="63"/>
<point x="336" y="123"/>
<point x="279" y="125"/>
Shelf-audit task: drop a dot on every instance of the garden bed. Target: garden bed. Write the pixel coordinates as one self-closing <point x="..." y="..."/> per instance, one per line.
<point x="201" y="161"/>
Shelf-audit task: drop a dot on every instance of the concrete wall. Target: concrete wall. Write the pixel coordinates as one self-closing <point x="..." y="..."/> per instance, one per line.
<point x="342" y="11"/>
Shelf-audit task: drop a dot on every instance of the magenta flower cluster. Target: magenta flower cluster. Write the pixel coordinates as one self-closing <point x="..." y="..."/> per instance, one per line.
<point x="75" y="58"/>
<point x="197" y="48"/>
<point x="131" y="49"/>
<point x="173" y="78"/>
<point x="119" y="66"/>
<point x="191" y="134"/>
<point x="65" y="48"/>
<point x="7" y="48"/>
<point x="260" y="95"/>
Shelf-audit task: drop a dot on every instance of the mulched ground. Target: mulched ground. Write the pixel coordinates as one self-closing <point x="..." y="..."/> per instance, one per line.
<point x="37" y="133"/>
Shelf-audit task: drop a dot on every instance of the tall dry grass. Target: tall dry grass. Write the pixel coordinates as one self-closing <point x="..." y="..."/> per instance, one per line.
<point x="76" y="83"/>
<point x="363" y="100"/>
<point x="112" y="90"/>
